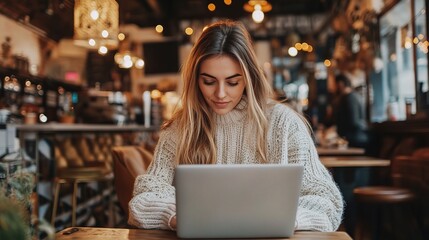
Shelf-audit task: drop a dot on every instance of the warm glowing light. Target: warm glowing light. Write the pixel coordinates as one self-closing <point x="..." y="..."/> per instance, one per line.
<point x="211" y="7"/>
<point x="227" y="2"/>
<point x="262" y="5"/>
<point x="393" y="57"/>
<point x="104" y="33"/>
<point x="310" y="48"/>
<point x="292" y="51"/>
<point x="139" y="63"/>
<point x="127" y="62"/>
<point x="121" y="37"/>
<point x="258" y="15"/>
<point x="305" y="46"/>
<point x="421" y="36"/>
<point x="127" y="57"/>
<point x="91" y="42"/>
<point x="204" y="28"/>
<point x="155" y="94"/>
<point x="298" y="46"/>
<point x="327" y="63"/>
<point x="258" y="8"/>
<point x="94" y="14"/>
<point x="408" y="44"/>
<point x="98" y="20"/>
<point x="159" y="28"/>
<point x="43" y="118"/>
<point x="102" y="50"/>
<point x="189" y="31"/>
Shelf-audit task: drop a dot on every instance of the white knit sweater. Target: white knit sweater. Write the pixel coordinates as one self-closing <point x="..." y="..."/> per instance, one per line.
<point x="288" y="141"/>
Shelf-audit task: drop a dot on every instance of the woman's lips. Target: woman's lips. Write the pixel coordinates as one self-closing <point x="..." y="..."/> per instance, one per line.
<point x="220" y="104"/>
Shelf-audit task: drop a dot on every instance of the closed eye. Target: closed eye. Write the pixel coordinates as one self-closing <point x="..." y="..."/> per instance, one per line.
<point x="208" y="82"/>
<point x="232" y="84"/>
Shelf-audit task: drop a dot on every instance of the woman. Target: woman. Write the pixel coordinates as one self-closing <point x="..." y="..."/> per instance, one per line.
<point x="228" y="117"/>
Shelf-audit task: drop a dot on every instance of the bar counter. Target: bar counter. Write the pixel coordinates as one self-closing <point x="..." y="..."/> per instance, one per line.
<point x="82" y="127"/>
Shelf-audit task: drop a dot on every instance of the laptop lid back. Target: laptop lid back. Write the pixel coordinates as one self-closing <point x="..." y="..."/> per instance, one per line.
<point x="237" y="201"/>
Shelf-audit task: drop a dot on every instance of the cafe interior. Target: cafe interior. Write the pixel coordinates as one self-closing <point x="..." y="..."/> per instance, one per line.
<point x="86" y="85"/>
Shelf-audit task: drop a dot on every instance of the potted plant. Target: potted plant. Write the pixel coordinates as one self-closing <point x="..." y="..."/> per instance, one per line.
<point x="67" y="117"/>
<point x="16" y="220"/>
<point x="13" y="220"/>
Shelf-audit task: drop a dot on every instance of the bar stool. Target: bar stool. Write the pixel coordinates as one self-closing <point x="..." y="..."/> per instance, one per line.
<point x="72" y="169"/>
<point x="75" y="176"/>
<point x="399" y="195"/>
<point x="378" y="197"/>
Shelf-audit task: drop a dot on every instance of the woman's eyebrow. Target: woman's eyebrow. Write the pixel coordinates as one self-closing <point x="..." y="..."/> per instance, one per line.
<point x="210" y="76"/>
<point x="233" y="76"/>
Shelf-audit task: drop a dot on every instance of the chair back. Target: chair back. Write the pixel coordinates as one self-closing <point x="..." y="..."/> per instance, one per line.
<point x="128" y="163"/>
<point x="411" y="172"/>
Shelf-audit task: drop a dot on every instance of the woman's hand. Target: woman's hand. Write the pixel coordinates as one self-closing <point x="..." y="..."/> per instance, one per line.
<point x="173" y="223"/>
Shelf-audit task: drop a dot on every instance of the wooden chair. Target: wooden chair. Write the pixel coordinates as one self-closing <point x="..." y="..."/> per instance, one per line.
<point x="407" y="194"/>
<point x="128" y="163"/>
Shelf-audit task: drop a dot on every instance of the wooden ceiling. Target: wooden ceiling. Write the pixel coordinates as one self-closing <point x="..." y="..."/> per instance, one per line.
<point x="54" y="18"/>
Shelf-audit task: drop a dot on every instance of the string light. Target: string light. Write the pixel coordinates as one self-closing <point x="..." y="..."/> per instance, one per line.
<point x="292" y="51"/>
<point x="189" y="31"/>
<point x="121" y="37"/>
<point x="327" y="63"/>
<point x="159" y="28"/>
<point x="102" y="50"/>
<point x="211" y="7"/>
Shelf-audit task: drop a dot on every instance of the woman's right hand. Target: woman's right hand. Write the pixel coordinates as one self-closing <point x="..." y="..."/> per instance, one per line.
<point x="173" y="223"/>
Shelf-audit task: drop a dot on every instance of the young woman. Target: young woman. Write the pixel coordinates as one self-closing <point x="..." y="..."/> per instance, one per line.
<point x="228" y="117"/>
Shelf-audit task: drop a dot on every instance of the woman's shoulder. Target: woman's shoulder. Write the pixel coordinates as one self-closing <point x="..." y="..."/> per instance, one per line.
<point x="170" y="129"/>
<point x="281" y="114"/>
<point x="279" y="109"/>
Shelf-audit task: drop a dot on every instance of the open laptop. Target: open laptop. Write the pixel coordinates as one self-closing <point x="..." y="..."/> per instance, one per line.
<point x="237" y="201"/>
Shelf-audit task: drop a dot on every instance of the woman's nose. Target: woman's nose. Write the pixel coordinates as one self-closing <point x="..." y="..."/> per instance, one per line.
<point x="220" y="91"/>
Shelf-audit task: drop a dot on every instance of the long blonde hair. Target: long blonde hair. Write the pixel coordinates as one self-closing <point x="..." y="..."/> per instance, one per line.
<point x="195" y="119"/>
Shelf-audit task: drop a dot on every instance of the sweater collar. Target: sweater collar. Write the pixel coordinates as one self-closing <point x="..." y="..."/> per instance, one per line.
<point x="235" y="115"/>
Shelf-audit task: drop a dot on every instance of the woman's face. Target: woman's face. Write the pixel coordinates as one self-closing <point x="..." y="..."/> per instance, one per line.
<point x="221" y="82"/>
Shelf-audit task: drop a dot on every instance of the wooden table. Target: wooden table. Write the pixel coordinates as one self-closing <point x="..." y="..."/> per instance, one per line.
<point x="354" y="161"/>
<point x="351" y="151"/>
<point x="129" y="234"/>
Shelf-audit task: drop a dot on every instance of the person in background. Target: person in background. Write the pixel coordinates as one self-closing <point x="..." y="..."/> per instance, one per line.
<point x="350" y="115"/>
<point x="227" y="116"/>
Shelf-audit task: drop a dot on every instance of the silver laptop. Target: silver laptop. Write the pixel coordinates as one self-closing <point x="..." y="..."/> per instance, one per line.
<point x="237" y="201"/>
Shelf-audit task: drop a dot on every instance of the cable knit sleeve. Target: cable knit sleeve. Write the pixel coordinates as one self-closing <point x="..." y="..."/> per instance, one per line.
<point x="153" y="202"/>
<point x="320" y="205"/>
